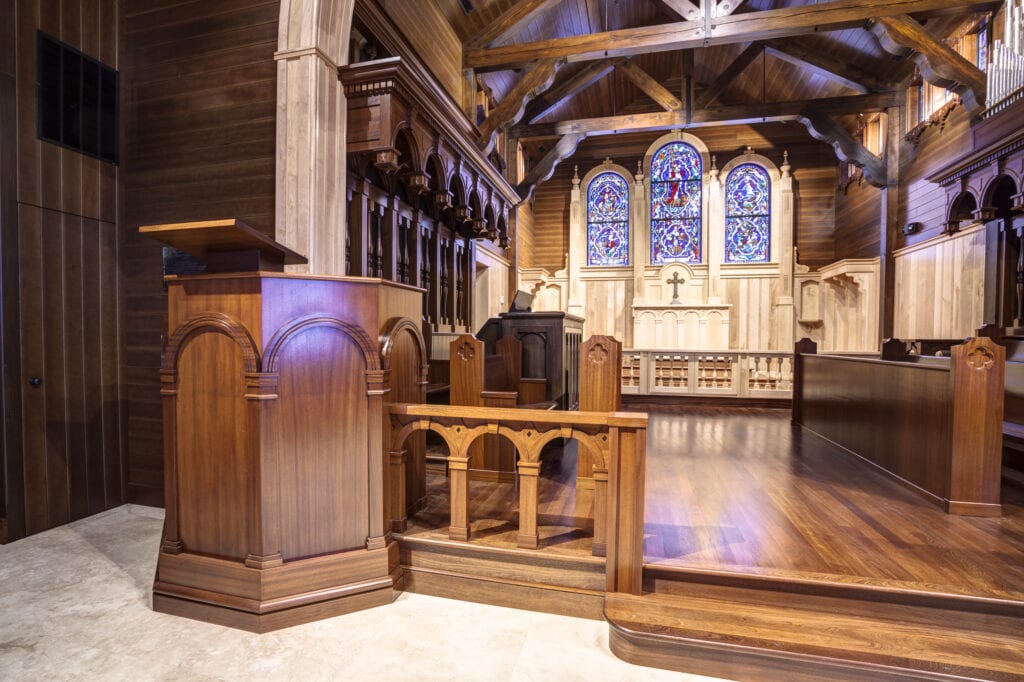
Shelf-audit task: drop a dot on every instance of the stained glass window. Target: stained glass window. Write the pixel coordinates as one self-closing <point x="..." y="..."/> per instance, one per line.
<point x="675" y="204"/>
<point x="748" y="209"/>
<point x="608" y="220"/>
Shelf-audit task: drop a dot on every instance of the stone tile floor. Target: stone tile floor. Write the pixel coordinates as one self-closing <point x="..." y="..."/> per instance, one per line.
<point x="75" y="605"/>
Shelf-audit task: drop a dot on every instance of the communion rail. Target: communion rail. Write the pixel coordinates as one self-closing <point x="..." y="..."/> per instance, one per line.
<point x="616" y="441"/>
<point x="763" y="374"/>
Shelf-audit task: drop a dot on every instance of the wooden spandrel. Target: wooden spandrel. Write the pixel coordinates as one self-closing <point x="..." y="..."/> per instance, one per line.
<point x="227" y="245"/>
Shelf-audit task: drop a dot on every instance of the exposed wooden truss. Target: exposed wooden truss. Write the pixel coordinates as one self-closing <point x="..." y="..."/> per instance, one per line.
<point x="592" y="73"/>
<point x="714" y="116"/>
<point x="750" y="26"/>
<point x="728" y="75"/>
<point x="649" y="85"/>
<point x="684" y="8"/>
<point x="939" y="64"/>
<point x="511" y="108"/>
<point x="815" y="115"/>
<point x="518" y="15"/>
<point x="842" y="72"/>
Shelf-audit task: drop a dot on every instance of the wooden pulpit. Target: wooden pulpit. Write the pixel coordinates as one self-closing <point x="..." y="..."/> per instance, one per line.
<point x="278" y="477"/>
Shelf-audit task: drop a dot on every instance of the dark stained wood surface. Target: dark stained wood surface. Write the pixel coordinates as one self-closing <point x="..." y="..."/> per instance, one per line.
<point x="200" y="87"/>
<point x="934" y="426"/>
<point x="742" y="491"/>
<point x="739" y="491"/>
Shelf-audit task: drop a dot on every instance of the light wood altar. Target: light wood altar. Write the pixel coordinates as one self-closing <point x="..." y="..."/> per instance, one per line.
<point x="278" y="496"/>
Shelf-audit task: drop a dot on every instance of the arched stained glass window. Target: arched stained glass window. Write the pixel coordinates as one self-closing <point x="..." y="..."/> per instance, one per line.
<point x="608" y="220"/>
<point x="676" y="175"/>
<point x="748" y="209"/>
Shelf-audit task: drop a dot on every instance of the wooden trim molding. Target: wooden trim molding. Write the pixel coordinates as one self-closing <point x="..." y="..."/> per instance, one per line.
<point x="210" y="322"/>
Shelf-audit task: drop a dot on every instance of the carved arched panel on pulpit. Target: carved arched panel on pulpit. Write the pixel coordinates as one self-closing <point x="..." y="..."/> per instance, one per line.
<point x="211" y="354"/>
<point x="321" y="415"/>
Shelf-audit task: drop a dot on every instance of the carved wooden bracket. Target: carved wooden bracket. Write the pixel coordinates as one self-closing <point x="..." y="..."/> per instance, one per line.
<point x="824" y="128"/>
<point x="940" y="65"/>
<point x="511" y="108"/>
<point x="563" y="149"/>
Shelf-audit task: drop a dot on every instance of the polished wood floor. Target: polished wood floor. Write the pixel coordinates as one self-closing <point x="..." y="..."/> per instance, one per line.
<point x="739" y="490"/>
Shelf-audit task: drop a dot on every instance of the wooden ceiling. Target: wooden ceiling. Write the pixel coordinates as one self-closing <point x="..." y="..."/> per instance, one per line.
<point x="635" y="57"/>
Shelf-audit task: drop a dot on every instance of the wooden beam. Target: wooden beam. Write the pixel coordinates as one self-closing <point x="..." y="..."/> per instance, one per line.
<point x="651" y="87"/>
<point x="563" y="149"/>
<point x="718" y="116"/>
<point x="582" y="80"/>
<point x="848" y="75"/>
<point x="684" y="8"/>
<point x="727" y="7"/>
<point x="736" y="28"/>
<point x="511" y="21"/>
<point x="940" y="65"/>
<point x="742" y="61"/>
<point x="822" y="127"/>
<point x="511" y="108"/>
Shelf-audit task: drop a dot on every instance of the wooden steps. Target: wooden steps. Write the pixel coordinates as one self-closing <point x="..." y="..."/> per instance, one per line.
<point x="767" y="632"/>
<point x="524" y="579"/>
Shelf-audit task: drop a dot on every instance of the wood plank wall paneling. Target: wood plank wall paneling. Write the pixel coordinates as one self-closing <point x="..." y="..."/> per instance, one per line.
<point x="200" y="88"/>
<point x="814" y="169"/>
<point x="940" y="288"/>
<point x="858" y="216"/>
<point x="920" y="200"/>
<point x="525" y="235"/>
<point x="60" y="287"/>
<point x="433" y="38"/>
<point x="11" y="462"/>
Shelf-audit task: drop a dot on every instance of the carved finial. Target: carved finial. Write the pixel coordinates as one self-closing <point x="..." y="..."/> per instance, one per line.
<point x="749" y="150"/>
<point x="714" y="162"/>
<point x="607" y="160"/>
<point x="639" y="167"/>
<point x="785" y="163"/>
<point x="576" y="173"/>
<point x="713" y="171"/>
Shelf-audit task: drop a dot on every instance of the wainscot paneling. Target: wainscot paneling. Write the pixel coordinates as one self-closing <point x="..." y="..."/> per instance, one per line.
<point x="940" y="286"/>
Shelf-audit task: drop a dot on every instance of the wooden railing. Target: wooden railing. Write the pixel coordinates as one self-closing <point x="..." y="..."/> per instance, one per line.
<point x="616" y="441"/>
<point x="730" y="373"/>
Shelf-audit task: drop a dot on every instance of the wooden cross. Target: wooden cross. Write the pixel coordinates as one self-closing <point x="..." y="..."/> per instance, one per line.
<point x="675" y="282"/>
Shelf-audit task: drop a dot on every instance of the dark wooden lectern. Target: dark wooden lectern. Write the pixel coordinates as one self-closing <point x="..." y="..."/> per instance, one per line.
<point x="274" y="385"/>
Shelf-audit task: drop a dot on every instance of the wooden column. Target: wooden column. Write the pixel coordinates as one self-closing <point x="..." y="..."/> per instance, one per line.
<point x="469" y="279"/>
<point x="529" y="473"/>
<point x="397" y="460"/>
<point x="416" y="249"/>
<point x="390" y="242"/>
<point x="265" y="543"/>
<point x="889" y="218"/>
<point x="600" y="543"/>
<point x="451" y="270"/>
<point x="628" y="443"/>
<point x="377" y="436"/>
<point x="458" y="490"/>
<point x="359" y="228"/>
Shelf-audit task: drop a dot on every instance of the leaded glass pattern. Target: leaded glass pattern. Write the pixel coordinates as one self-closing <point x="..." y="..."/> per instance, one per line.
<point x="608" y="220"/>
<point x="676" y="176"/>
<point x="748" y="208"/>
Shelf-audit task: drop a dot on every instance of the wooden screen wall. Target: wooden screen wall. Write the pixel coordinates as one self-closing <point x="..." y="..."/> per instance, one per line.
<point x="199" y="91"/>
<point x="58" y="236"/>
<point x="390" y="239"/>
